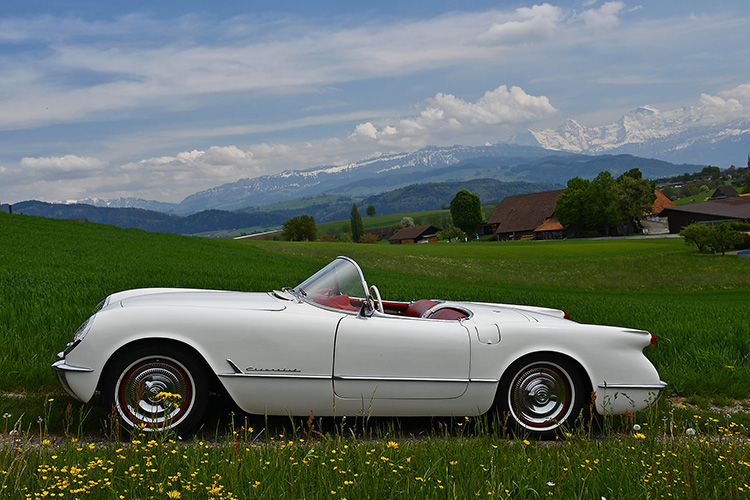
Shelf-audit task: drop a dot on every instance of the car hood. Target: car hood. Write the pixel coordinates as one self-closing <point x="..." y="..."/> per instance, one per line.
<point x="179" y="297"/>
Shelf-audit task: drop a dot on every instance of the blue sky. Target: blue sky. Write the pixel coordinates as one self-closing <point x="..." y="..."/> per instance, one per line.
<point x="161" y="99"/>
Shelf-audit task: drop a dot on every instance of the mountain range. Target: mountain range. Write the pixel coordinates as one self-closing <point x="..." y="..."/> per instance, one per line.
<point x="324" y="208"/>
<point x="683" y="139"/>
<point x="423" y="180"/>
<point x="687" y="134"/>
<point x="504" y="162"/>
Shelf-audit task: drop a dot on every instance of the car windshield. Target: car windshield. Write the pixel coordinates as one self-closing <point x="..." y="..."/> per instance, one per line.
<point x="334" y="285"/>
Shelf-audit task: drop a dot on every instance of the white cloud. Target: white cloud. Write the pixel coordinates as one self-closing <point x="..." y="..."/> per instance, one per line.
<point x="603" y="18"/>
<point x="67" y="163"/>
<point x="526" y="24"/>
<point x="730" y="104"/>
<point x="446" y="112"/>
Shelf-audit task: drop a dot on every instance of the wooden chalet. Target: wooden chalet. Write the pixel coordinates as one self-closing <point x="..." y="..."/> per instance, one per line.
<point x="416" y="234"/>
<point x="532" y="216"/>
<point x="527" y="216"/>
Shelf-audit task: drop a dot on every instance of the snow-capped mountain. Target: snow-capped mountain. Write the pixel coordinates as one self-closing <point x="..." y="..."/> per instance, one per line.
<point x="504" y="162"/>
<point x="157" y="206"/>
<point x="299" y="183"/>
<point x="681" y="135"/>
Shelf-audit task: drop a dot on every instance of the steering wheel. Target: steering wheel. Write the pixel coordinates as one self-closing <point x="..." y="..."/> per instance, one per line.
<point x="379" y="302"/>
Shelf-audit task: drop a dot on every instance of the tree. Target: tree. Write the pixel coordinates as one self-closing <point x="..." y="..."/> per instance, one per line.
<point x="407" y="222"/>
<point x="605" y="207"/>
<point x="450" y="233"/>
<point x="466" y="211"/>
<point x="724" y="238"/>
<point x="669" y="192"/>
<point x="572" y="205"/>
<point x="698" y="235"/>
<point x="369" y="238"/>
<point x="370" y="211"/>
<point x="714" y="172"/>
<point x="589" y="203"/>
<point x="356" y="221"/>
<point x="300" y="228"/>
<point x="604" y="201"/>
<point x="635" y="195"/>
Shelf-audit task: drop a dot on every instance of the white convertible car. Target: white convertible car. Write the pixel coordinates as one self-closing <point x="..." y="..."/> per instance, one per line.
<point x="332" y="346"/>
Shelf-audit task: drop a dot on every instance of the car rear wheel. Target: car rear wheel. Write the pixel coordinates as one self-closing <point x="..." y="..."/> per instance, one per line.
<point x="540" y="395"/>
<point x="156" y="389"/>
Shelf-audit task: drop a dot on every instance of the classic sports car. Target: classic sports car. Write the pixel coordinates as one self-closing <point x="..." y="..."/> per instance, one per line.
<point x="332" y="346"/>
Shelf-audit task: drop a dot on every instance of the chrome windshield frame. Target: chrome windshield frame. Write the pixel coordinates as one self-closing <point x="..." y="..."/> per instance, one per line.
<point x="300" y="292"/>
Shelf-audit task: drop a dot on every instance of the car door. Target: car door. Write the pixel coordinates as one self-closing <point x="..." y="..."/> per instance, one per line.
<point x="386" y="357"/>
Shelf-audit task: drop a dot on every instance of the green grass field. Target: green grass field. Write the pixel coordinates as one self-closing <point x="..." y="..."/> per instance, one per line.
<point x="54" y="272"/>
<point x="371" y="222"/>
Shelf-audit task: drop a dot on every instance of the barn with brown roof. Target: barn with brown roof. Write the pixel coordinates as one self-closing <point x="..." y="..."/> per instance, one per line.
<point x="532" y="216"/>
<point x="660" y="203"/>
<point x="416" y="234"/>
<point x="708" y="212"/>
<point x="517" y="217"/>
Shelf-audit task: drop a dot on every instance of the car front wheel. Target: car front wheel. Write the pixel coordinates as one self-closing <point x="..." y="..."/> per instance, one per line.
<point x="540" y="395"/>
<point x="156" y="389"/>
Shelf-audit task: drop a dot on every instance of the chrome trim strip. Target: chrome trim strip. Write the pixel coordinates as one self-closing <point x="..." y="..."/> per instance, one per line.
<point x="360" y="379"/>
<point x="274" y="375"/>
<point x="414" y="379"/>
<point x="657" y="387"/>
<point x="61" y="366"/>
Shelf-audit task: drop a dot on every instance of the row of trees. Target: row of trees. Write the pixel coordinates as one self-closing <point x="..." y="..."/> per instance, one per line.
<point x="605" y="201"/>
<point x="720" y="238"/>
<point x="704" y="181"/>
<point x="599" y="203"/>
<point x="465" y="216"/>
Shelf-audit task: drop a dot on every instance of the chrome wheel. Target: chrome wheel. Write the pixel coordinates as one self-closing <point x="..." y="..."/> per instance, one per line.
<point x="540" y="396"/>
<point x="154" y="392"/>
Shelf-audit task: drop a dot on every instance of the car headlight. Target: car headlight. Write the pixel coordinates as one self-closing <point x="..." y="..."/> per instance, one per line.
<point x="104" y="303"/>
<point x="78" y="336"/>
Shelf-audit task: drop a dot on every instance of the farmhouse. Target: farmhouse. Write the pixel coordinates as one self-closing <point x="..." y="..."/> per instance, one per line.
<point x="723" y="192"/>
<point x="709" y="212"/>
<point x="416" y="234"/>
<point x="532" y="216"/>
<point x="527" y="216"/>
<point x="660" y="203"/>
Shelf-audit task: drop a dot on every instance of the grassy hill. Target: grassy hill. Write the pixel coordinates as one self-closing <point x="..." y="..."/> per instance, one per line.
<point x="54" y="272"/>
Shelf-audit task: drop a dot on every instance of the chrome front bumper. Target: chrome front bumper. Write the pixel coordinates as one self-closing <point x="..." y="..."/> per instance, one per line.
<point x="62" y="369"/>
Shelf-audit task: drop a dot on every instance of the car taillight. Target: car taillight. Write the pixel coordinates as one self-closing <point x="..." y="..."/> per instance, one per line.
<point x="653" y="339"/>
<point x="566" y="315"/>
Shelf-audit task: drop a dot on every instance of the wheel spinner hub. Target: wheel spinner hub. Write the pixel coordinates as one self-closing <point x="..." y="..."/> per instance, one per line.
<point x="154" y="393"/>
<point x="541" y="394"/>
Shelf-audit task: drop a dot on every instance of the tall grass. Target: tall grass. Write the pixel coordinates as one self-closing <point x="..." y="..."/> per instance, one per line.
<point x="54" y="272"/>
<point x="696" y="304"/>
<point x="462" y="459"/>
